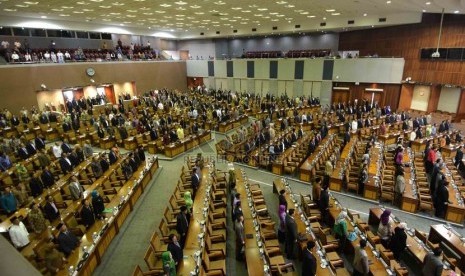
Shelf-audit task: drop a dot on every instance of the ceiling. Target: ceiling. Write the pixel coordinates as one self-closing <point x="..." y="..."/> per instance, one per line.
<point x="184" y="19"/>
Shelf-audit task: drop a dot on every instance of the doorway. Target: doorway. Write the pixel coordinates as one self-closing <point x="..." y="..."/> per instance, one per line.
<point x="340" y="96"/>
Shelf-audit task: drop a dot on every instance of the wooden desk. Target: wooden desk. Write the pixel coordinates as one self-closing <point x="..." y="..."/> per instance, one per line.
<point x="308" y="166"/>
<point x="439" y="233"/>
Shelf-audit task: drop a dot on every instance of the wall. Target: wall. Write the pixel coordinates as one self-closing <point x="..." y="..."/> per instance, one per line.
<point x="233" y="47"/>
<point x="19" y="83"/>
<point x="407" y="40"/>
<point x="201" y="49"/>
<point x="389" y="93"/>
<point x="449" y="99"/>
<point x="44" y="42"/>
<point x="420" y="97"/>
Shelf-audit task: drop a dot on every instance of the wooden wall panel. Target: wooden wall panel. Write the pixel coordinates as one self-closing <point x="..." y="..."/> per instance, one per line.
<point x="390" y="95"/>
<point x="434" y="98"/>
<point x="18" y="84"/>
<point x="407" y="40"/>
<point x="406" y="95"/>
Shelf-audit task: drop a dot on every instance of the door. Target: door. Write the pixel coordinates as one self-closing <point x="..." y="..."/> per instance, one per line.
<point x="374" y="97"/>
<point x="110" y="94"/>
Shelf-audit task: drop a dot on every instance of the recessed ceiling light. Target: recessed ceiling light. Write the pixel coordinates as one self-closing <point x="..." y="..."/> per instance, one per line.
<point x="165" y="5"/>
<point x="118" y="4"/>
<point x="365" y="14"/>
<point x="31" y="3"/>
<point x="172" y="30"/>
<point x="262" y="9"/>
<point x="428" y="3"/>
<point x="43" y="16"/>
<point x="105" y="7"/>
<point x="456" y="11"/>
<point x="131" y="10"/>
<point x="289" y="6"/>
<point x="79" y="12"/>
<point x="22" y="6"/>
<point x="281" y="2"/>
<point x="330" y="10"/>
<point x="236" y="8"/>
<point x="219" y="3"/>
<point x="65" y="15"/>
<point x="311" y="16"/>
<point x="180" y="3"/>
<point x="324" y="18"/>
<point x="195" y="7"/>
<point x="336" y="13"/>
<point x="246" y="11"/>
<point x="121" y="24"/>
<point x="423" y="10"/>
<point x="58" y="10"/>
<point x="388" y="2"/>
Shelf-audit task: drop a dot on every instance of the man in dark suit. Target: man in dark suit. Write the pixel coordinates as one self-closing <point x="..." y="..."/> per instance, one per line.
<point x="291" y="235"/>
<point x="47" y="178"/>
<point x="324" y="204"/>
<point x="50" y="210"/>
<point x="432" y="264"/>
<point x="182" y="225"/>
<point x="31" y="148"/>
<point x="67" y="241"/>
<point x="112" y="156"/>
<point x="104" y="164"/>
<point x="240" y="237"/>
<point x="87" y="213"/>
<point x="175" y="248"/>
<point x="195" y="181"/>
<point x="39" y="143"/>
<point x="346" y="137"/>
<point x="65" y="147"/>
<point x="308" y="260"/>
<point x="66" y="127"/>
<point x="23" y="153"/>
<point x="65" y="163"/>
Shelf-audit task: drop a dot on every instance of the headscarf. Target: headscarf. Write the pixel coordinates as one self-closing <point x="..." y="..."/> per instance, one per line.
<point x="168" y="262"/>
<point x="282" y="211"/>
<point x="341" y="217"/>
<point x="94" y="193"/>
<point x="188" y="200"/>
<point x="385" y="216"/>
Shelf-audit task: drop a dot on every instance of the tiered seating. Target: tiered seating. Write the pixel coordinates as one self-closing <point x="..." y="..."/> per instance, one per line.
<point x="314" y="53"/>
<point x="264" y="54"/>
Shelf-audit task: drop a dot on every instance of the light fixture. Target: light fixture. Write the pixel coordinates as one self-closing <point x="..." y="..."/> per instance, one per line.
<point x="456" y="11"/>
<point x="43" y="86"/>
<point x="365" y="14"/>
<point x="43" y="16"/>
<point x="428" y="3"/>
<point x="388" y="2"/>
<point x="437" y="54"/>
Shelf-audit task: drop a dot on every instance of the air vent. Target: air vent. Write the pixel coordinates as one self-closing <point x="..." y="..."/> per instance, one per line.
<point x="297" y="26"/>
<point x="254" y="29"/>
<point x="202" y="34"/>
<point x="322" y="24"/>
<point x="350" y="22"/>
<point x="382" y="19"/>
<point x="217" y="32"/>
<point x="275" y="28"/>
<point x="234" y="31"/>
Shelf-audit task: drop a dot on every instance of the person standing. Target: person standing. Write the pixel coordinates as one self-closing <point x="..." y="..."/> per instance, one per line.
<point x="398" y="241"/>
<point x="36" y="219"/>
<point x="399" y="188"/>
<point x="385" y="228"/>
<point x="282" y="224"/>
<point x="169" y="266"/>
<point x="240" y="238"/>
<point x="67" y="241"/>
<point x="432" y="264"/>
<point x="175" y="249"/>
<point x="458" y="157"/>
<point x="54" y="260"/>
<point x="195" y="181"/>
<point x="75" y="188"/>
<point x="182" y="225"/>
<point x="316" y="191"/>
<point x="308" y="260"/>
<point x="324" y="204"/>
<point x="19" y="234"/>
<point x="442" y="199"/>
<point x="340" y="229"/>
<point x="97" y="203"/>
<point x="8" y="201"/>
<point x="291" y="235"/>
<point x="361" y="259"/>
<point x="282" y="198"/>
<point x="87" y="214"/>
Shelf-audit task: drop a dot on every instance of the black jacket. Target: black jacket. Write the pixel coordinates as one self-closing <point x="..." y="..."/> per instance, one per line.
<point x="67" y="242"/>
<point x="50" y="213"/>
<point x="176" y="252"/>
<point x="181" y="224"/>
<point x="87" y="216"/>
<point x="308" y="264"/>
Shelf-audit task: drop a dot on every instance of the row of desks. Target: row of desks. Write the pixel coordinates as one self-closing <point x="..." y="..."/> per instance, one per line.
<point x="175" y="149"/>
<point x="308" y="166"/>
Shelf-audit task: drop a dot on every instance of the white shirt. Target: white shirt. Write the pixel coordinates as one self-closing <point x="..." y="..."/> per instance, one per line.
<point x="413" y="136"/>
<point x="57" y="151"/>
<point x="19" y="235"/>
<point x="354" y="125"/>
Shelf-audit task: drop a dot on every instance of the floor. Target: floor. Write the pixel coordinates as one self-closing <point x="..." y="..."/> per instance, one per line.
<point x="129" y="246"/>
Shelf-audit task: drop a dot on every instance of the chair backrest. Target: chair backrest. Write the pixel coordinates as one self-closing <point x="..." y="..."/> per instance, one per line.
<point x="205" y="260"/>
<point x="137" y="271"/>
<point x="420" y="236"/>
<point x="155" y="241"/>
<point x="150" y="258"/>
<point x="167" y="214"/>
<point x="163" y="228"/>
<point x="173" y="203"/>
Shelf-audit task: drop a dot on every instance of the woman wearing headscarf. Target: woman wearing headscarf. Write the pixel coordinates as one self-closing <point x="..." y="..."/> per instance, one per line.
<point x="385" y="229"/>
<point x="36" y="219"/>
<point x="169" y="266"/>
<point x="97" y="203"/>
<point x="282" y="224"/>
<point x="54" y="260"/>
<point x="188" y="202"/>
<point x="340" y="229"/>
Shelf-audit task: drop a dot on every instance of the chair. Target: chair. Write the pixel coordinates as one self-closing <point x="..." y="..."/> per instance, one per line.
<point x="153" y="260"/>
<point x="164" y="230"/>
<point x="138" y="272"/>
<point x="170" y="218"/>
<point x="156" y="243"/>
<point x="210" y="265"/>
<point x="328" y="241"/>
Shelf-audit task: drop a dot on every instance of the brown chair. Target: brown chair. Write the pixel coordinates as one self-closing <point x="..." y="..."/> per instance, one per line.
<point x="153" y="260"/>
<point x="157" y="244"/>
<point x="210" y="265"/>
<point x="165" y="231"/>
<point x="138" y="272"/>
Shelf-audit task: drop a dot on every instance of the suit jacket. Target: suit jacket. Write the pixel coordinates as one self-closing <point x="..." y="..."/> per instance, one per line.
<point x="87" y="216"/>
<point x="65" y="148"/>
<point x="181" y="224"/>
<point x="195" y="181"/>
<point x="176" y="252"/>
<point x="432" y="265"/>
<point x="291" y="229"/>
<point x="458" y="156"/>
<point x="240" y="234"/>
<point x="65" y="166"/>
<point x="308" y="264"/>
<point x="50" y="212"/>
<point x="113" y="158"/>
<point x="23" y="153"/>
<point x="76" y="192"/>
<point x="40" y="144"/>
<point x="47" y="178"/>
<point x="36" y="186"/>
<point x="31" y="149"/>
<point x="67" y="242"/>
